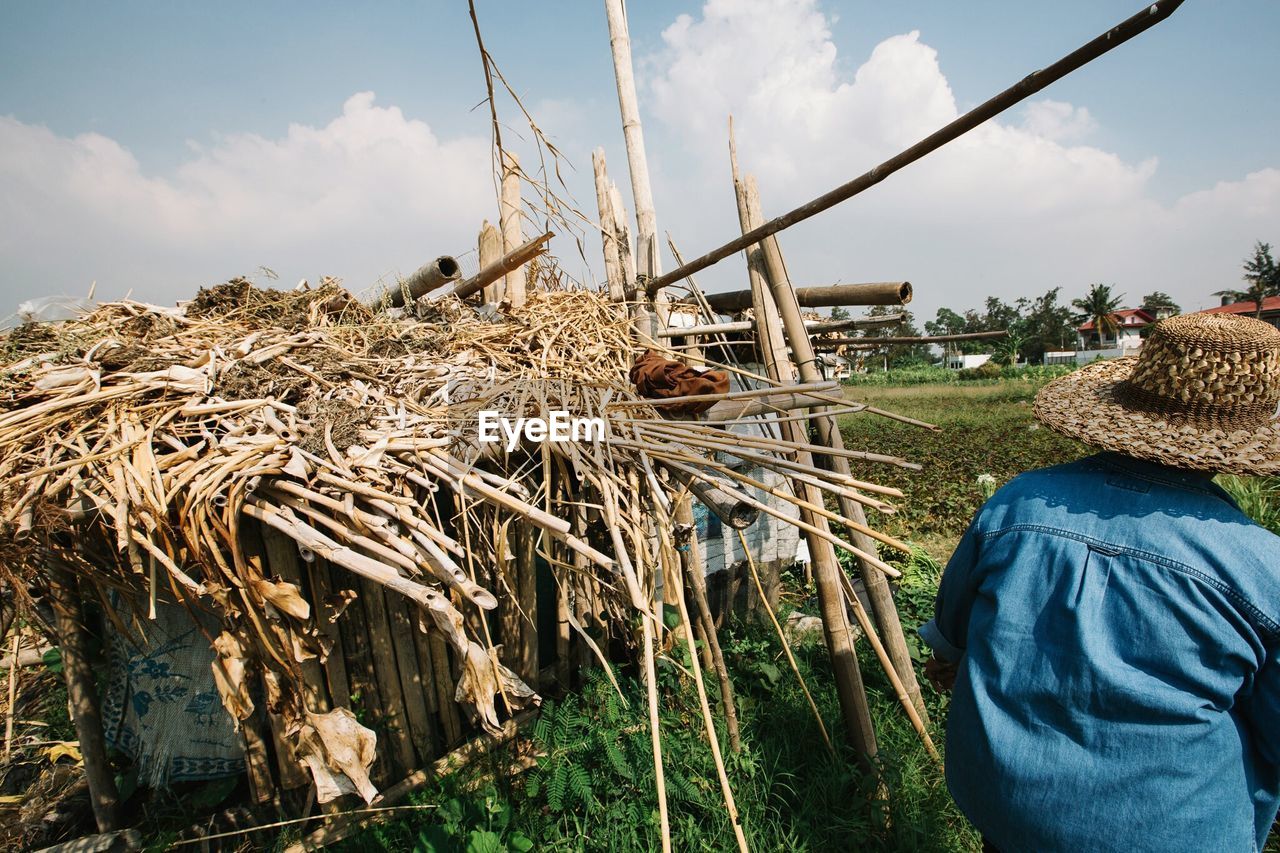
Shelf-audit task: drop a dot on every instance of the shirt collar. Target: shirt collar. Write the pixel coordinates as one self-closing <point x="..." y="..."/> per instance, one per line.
<point x="1185" y="477"/>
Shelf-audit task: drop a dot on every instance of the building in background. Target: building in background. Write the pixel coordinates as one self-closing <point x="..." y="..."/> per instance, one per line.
<point x="1270" y="310"/>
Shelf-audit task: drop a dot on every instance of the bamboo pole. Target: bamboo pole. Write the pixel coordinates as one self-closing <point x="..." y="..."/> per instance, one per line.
<point x="428" y="277"/>
<point x="813" y="326"/>
<point x="510" y="216"/>
<point x="725" y="789"/>
<point x="500" y="268"/>
<point x="82" y="695"/>
<point x="648" y="263"/>
<point x="826" y="569"/>
<point x="13" y="696"/>
<point x="1145" y="19"/>
<point x="829" y="435"/>
<point x="692" y="565"/>
<point x="489" y="252"/>
<point x="874" y="293"/>
<point x="608" y="229"/>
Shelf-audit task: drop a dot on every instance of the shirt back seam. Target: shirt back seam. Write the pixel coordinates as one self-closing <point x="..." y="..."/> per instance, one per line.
<point x="1269" y="626"/>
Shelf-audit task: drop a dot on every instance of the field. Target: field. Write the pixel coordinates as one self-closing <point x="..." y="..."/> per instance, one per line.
<point x="985" y="429"/>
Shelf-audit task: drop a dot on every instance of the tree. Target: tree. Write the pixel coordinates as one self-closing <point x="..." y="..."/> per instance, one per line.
<point x="1153" y="303"/>
<point x="896" y="355"/>
<point x="1263" y="276"/>
<point x="1099" y="306"/>
<point x="838" y="313"/>
<point x="1045" y="326"/>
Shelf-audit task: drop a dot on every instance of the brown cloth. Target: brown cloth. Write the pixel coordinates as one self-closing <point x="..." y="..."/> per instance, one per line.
<point x="658" y="379"/>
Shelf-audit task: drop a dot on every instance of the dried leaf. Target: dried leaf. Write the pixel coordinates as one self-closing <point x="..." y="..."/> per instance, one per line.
<point x="285" y="597"/>
<point x="64" y="749"/>
<point x="339" y="752"/>
<point x="482" y="679"/>
<point x="229" y="676"/>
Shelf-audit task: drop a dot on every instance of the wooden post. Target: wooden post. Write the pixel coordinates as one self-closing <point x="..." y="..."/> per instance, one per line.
<point x="83" y="698"/>
<point x="691" y="563"/>
<point x="510" y="216"/>
<point x="489" y="246"/>
<point x="826" y="568"/>
<point x="648" y="260"/>
<point x="526" y="536"/>
<point x="608" y="229"/>
<point x="877" y="585"/>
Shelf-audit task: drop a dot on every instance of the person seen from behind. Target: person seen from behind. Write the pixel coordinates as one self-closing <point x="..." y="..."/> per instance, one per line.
<point x="1112" y="626"/>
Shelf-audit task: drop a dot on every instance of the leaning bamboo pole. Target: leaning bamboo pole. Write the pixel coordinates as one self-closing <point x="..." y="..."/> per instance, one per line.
<point x="872" y="293"/>
<point x="691" y="563"/>
<point x="726" y="789"/>
<point x="496" y="272"/>
<point x="428" y="277"/>
<point x="829" y="435"/>
<point x="813" y="326"/>
<point x="786" y="646"/>
<point x="82" y="696"/>
<point x="825" y="567"/>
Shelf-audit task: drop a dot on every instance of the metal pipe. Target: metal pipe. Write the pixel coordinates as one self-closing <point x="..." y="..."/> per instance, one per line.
<point x="1018" y="92"/>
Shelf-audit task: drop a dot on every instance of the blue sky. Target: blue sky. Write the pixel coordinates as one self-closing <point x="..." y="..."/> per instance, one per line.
<point x="160" y="146"/>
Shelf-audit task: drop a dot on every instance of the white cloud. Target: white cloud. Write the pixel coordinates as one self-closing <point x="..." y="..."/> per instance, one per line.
<point x="367" y="194"/>
<point x="1014" y="207"/>
<point x="1057" y="120"/>
<point x="1011" y="208"/>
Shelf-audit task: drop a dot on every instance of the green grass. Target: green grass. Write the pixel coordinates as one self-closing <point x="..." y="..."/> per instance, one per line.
<point x="931" y="375"/>
<point x="594" y="789"/>
<point x="1258" y="498"/>
<point x="985" y="429"/>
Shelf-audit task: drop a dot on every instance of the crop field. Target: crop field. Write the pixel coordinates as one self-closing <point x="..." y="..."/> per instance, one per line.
<point x="985" y="429"/>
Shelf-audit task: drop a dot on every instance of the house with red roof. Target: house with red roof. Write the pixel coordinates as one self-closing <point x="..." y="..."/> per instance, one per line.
<point x="1131" y="325"/>
<point x="1249" y="308"/>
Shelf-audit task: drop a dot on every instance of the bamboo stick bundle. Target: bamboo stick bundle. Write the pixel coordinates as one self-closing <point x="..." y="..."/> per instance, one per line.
<point x="139" y="441"/>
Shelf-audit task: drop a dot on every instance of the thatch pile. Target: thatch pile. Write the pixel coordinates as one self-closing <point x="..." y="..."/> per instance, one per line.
<point x="136" y="441"/>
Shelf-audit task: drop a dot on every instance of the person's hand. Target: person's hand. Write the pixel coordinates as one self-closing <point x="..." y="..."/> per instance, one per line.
<point x="941" y="674"/>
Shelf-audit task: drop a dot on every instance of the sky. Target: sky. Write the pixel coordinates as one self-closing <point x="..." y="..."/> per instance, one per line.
<point x="156" y="147"/>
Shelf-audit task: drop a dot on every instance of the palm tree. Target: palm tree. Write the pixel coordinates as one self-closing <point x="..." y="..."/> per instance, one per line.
<point x="1100" y="308"/>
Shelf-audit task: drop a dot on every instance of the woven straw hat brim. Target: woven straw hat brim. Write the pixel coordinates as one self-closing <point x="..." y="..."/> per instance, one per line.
<point x="1085" y="405"/>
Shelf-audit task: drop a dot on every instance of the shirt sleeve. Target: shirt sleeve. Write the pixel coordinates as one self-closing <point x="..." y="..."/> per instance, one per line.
<point x="1263" y="709"/>
<point x="945" y="633"/>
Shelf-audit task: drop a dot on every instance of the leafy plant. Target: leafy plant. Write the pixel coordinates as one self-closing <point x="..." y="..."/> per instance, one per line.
<point x="1257" y="497"/>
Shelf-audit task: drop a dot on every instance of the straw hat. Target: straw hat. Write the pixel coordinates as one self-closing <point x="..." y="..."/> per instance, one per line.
<point x="1204" y="393"/>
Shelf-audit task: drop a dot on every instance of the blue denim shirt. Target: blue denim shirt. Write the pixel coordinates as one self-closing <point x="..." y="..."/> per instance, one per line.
<point x="1117" y="626"/>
